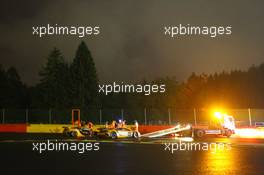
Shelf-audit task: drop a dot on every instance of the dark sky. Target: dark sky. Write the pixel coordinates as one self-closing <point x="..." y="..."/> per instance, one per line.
<point x="132" y="44"/>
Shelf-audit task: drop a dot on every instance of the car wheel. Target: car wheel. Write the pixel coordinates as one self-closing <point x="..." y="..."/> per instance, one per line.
<point x="228" y="133"/>
<point x="74" y="134"/>
<point x="136" y="135"/>
<point x="200" y="133"/>
<point x="66" y="131"/>
<point x="113" y="135"/>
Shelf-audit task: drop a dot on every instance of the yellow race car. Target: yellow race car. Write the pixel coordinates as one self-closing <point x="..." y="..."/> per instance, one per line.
<point x="77" y="132"/>
<point x="118" y="133"/>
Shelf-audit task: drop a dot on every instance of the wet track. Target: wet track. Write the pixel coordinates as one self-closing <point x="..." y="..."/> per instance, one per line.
<point x="126" y="156"/>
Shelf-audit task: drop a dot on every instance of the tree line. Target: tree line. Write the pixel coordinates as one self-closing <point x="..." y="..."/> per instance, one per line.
<point x="75" y="84"/>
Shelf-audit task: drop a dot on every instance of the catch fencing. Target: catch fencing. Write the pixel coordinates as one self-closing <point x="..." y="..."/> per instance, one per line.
<point x="147" y="116"/>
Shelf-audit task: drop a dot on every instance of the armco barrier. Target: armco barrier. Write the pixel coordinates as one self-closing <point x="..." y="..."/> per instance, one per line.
<point x="45" y="128"/>
<point x="58" y="128"/>
<point x="19" y="128"/>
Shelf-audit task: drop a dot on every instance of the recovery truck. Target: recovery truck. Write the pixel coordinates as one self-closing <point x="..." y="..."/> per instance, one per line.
<point x="220" y="125"/>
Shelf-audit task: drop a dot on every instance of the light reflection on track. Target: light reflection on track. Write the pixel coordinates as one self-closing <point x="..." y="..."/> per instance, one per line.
<point x="232" y="141"/>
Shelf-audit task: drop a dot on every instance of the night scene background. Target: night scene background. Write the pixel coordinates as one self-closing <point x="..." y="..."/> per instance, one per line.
<point x="214" y="87"/>
<point x="198" y="71"/>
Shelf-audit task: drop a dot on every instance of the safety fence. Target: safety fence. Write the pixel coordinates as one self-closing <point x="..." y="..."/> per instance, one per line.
<point x="148" y="116"/>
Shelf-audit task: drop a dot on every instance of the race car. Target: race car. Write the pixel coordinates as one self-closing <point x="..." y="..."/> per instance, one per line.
<point x="78" y="131"/>
<point x="118" y="133"/>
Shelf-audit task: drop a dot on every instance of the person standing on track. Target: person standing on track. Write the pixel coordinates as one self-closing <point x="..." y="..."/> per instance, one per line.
<point x="136" y="125"/>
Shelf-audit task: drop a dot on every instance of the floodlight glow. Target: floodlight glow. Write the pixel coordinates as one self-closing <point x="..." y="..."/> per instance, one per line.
<point x="218" y="115"/>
